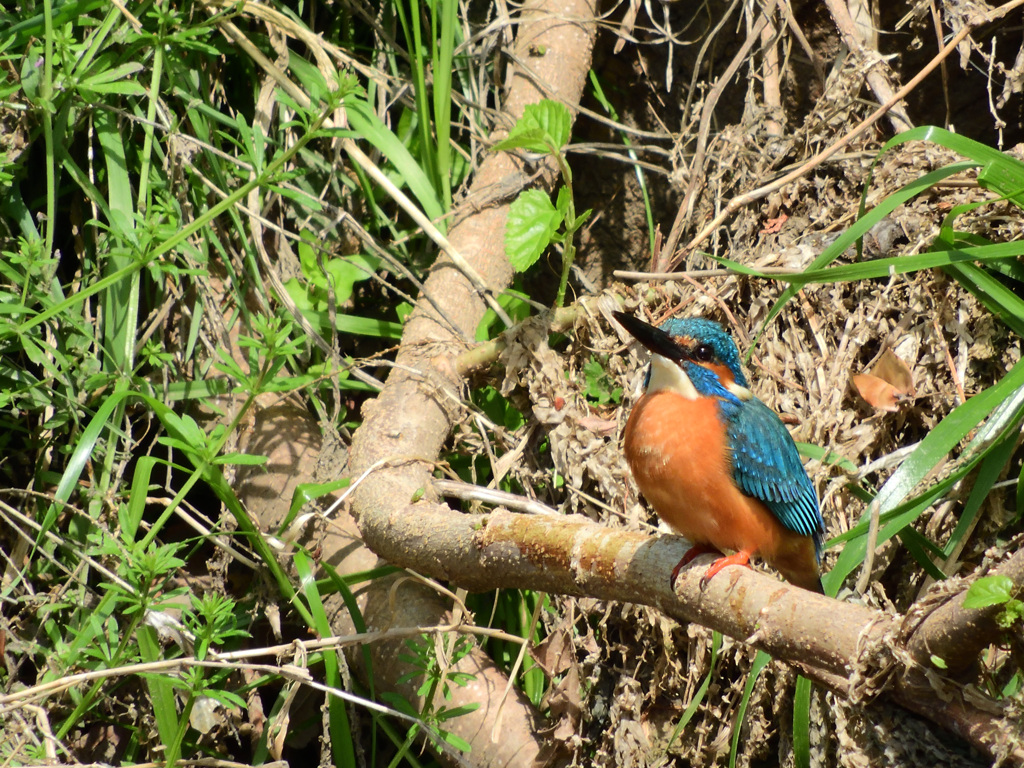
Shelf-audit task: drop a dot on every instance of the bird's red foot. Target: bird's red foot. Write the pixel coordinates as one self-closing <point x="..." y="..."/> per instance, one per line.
<point x="695" y="551"/>
<point x="740" y="558"/>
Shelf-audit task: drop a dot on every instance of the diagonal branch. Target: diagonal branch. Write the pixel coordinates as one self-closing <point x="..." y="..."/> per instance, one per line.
<point x="404" y="429"/>
<point x="958" y="635"/>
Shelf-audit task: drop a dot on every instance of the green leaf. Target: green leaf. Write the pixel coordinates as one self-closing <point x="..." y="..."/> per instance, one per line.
<point x="988" y="591"/>
<point x="161" y="688"/>
<point x="761" y="660"/>
<point x="802" y="723"/>
<point x="340" y="730"/>
<point x="247" y="459"/>
<point x="532" y="224"/>
<point x="367" y="124"/>
<point x="532" y="139"/>
<point x="551" y="117"/>
<point x="456" y="741"/>
<point x="562" y="201"/>
<point x="582" y="218"/>
<point x="343" y="272"/>
<point x="932" y="450"/>
<point x="307" y="492"/>
<point x="701" y="692"/>
<point x="544" y="127"/>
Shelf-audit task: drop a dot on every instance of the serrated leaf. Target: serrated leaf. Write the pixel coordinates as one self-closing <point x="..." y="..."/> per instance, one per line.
<point x="544" y="127"/>
<point x="532" y="224"/>
<point x="551" y="117"/>
<point x="532" y="139"/>
<point x="987" y="591"/>
<point x="562" y="201"/>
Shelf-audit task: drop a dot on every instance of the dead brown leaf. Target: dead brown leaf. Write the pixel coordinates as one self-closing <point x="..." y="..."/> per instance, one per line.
<point x="889" y="384"/>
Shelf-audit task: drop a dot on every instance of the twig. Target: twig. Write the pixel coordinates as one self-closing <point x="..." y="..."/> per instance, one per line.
<point x="770" y="75"/>
<point x="626" y="274"/>
<point x="872" y="544"/>
<point x="470" y="492"/>
<point x="943" y="70"/>
<point x="878" y="74"/>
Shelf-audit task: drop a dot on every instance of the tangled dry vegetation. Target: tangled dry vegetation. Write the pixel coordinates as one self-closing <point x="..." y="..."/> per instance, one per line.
<point x="637" y="680"/>
<point x="639" y="677"/>
<point x="717" y="103"/>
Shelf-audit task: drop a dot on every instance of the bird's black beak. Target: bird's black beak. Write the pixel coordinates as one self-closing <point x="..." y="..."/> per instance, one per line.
<point x="655" y="339"/>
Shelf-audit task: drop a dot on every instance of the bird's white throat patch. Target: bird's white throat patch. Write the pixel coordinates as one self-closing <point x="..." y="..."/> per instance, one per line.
<point x="668" y="375"/>
<point x="740" y="391"/>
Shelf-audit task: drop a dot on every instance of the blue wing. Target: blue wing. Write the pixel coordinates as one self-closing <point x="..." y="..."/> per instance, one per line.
<point x="766" y="465"/>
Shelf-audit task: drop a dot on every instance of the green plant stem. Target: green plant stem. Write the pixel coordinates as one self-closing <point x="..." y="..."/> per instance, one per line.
<point x="148" y="128"/>
<point x="571" y="225"/>
<point x="118" y="658"/>
<point x="205" y="468"/>
<point x="46" y="96"/>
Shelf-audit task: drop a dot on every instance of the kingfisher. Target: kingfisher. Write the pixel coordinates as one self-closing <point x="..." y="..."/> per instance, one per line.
<point x="716" y="463"/>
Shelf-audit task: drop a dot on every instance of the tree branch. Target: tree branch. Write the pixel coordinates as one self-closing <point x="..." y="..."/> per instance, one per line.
<point x="404" y="429"/>
<point x="958" y="635"/>
<point x="855" y="651"/>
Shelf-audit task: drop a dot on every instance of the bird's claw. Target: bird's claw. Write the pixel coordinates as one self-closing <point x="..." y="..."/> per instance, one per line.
<point x="739" y="558"/>
<point x="695" y="551"/>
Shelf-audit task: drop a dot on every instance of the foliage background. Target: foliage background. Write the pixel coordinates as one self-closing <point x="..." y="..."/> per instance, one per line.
<point x="216" y="221"/>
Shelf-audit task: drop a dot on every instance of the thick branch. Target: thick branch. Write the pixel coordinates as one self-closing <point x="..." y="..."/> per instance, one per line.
<point x="404" y="429"/>
<point x="829" y="640"/>
<point x="408" y="423"/>
<point x="958" y="635"/>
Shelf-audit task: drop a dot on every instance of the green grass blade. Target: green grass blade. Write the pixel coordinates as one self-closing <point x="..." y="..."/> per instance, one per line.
<point x="700" y="693"/>
<point x="981" y="154"/>
<point x="372" y="129"/>
<point x="802" y="723"/>
<point x="756" y="668"/>
<point x="161" y="691"/>
<point x="132" y="516"/>
<point x="933" y="449"/>
<point x="992" y="293"/>
<point x="342" y="747"/>
<point x="988" y="474"/>
<point x="445" y="14"/>
<point x="864" y="224"/>
<point x="81" y="456"/>
<point x="413" y="31"/>
<point x="958" y="258"/>
<point x="922" y="551"/>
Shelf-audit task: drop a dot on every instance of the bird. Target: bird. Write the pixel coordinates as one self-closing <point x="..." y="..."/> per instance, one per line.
<point x="716" y="463"/>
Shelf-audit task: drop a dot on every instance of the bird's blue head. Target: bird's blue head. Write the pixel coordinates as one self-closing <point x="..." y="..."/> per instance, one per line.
<point x="692" y="356"/>
<point x="708" y="345"/>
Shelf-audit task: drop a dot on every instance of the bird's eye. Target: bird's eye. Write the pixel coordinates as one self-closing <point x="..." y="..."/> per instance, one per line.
<point x="704" y="353"/>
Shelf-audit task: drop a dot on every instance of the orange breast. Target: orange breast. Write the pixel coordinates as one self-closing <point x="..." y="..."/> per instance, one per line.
<point x="678" y="451"/>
